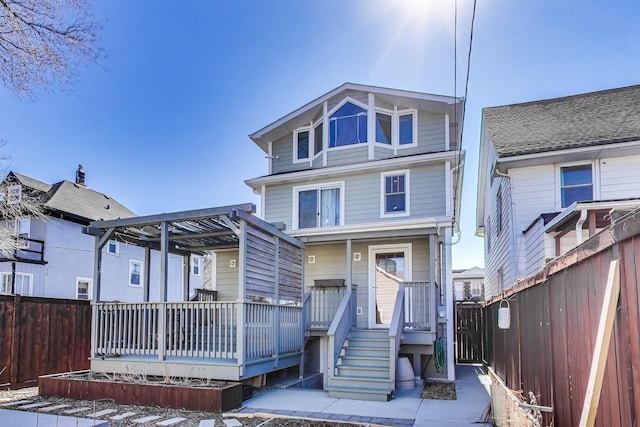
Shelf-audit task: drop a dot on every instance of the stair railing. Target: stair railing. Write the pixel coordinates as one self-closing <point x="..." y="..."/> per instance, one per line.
<point x="339" y="329"/>
<point x="395" y="334"/>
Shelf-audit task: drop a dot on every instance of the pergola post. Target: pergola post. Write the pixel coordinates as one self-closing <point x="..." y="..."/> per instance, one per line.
<point x="186" y="277"/>
<point x="276" y="296"/>
<point x="147" y="274"/>
<point x="164" y="277"/>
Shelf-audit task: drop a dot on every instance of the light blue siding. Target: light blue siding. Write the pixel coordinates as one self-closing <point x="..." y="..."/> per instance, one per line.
<point x="348" y="156"/>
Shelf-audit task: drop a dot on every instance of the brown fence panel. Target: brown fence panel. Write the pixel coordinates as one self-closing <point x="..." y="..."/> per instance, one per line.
<point x="42" y="336"/>
<point x="555" y="316"/>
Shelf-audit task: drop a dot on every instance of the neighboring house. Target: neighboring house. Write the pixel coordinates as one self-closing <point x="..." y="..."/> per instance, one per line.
<point x="468" y="285"/>
<point x="57" y="259"/>
<point x="552" y="173"/>
<point x="369" y="179"/>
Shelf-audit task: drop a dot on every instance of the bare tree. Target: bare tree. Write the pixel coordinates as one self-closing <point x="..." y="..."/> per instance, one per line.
<point x="43" y="41"/>
<point x="16" y="203"/>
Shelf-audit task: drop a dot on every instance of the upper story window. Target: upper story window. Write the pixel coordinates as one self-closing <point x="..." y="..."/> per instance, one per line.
<point x="112" y="247"/>
<point x="196" y="265"/>
<point x="476" y="288"/>
<point x="395" y="193"/>
<point x="23" y="231"/>
<point x="383" y="128"/>
<point x="135" y="273"/>
<point x="576" y="184"/>
<point x="307" y="142"/>
<point x="348" y="126"/>
<point x="407" y="123"/>
<point x="459" y="291"/>
<point x="318" y="206"/>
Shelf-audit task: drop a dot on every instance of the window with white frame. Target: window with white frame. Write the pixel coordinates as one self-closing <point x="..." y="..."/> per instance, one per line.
<point x="83" y="287"/>
<point x="576" y="184"/>
<point x="307" y="142"/>
<point x="135" y="273"/>
<point x="318" y="205"/>
<point x="23" y="284"/>
<point x="396" y="129"/>
<point x="348" y="125"/>
<point x="395" y="193"/>
<point x="23" y="230"/>
<point x="196" y="265"/>
<point x="113" y="247"/>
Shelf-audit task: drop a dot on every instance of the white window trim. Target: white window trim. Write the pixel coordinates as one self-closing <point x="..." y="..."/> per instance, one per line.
<point x="199" y="260"/>
<point x="595" y="175"/>
<point x="131" y="263"/>
<point x="394" y="128"/>
<point x="336" y="108"/>
<point x="311" y="128"/>
<point x="414" y="124"/>
<point x="295" y="144"/>
<point x="321" y="186"/>
<point x="407" y="194"/>
<point x="117" y="252"/>
<point x="89" y="289"/>
<point x="29" y="275"/>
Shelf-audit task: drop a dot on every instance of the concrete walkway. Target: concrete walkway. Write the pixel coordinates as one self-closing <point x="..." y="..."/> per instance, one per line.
<point x="406" y="409"/>
<point x="34" y="419"/>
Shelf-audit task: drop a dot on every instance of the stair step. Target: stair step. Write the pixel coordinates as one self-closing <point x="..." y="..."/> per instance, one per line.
<point x="363" y="371"/>
<point x="367" y="342"/>
<point x="343" y="392"/>
<point x="366" y="351"/>
<point x="379" y="361"/>
<point x="369" y="333"/>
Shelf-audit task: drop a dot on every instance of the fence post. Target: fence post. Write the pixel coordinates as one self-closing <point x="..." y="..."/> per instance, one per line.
<point x="14" y="360"/>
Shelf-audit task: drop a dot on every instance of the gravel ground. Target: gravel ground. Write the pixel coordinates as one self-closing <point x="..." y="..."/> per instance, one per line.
<point x="193" y="418"/>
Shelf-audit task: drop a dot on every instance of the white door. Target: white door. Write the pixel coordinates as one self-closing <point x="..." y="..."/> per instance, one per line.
<point x="389" y="265"/>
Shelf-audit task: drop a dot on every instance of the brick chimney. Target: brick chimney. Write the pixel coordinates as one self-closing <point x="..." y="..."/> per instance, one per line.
<point x="80" y="176"/>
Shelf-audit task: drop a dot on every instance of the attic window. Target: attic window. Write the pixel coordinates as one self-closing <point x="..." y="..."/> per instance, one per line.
<point x="348" y="126"/>
<point x="576" y="184"/>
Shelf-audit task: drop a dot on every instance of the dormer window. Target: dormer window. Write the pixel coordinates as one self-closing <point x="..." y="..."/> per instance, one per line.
<point x="348" y="126"/>
<point x="307" y="142"/>
<point x="302" y="143"/>
<point x="406" y="125"/>
<point x="383" y="128"/>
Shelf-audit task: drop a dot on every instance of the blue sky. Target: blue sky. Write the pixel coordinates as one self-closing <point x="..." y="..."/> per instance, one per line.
<point x="161" y="125"/>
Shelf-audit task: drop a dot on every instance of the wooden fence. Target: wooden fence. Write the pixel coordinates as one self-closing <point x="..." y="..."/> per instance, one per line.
<point x="555" y="317"/>
<point x="40" y="336"/>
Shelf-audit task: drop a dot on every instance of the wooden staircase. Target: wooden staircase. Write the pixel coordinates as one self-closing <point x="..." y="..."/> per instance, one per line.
<point x="363" y="368"/>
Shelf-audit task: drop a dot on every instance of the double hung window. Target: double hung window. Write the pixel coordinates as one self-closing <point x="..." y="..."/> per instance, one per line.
<point x="319" y="206"/>
<point x="395" y="193"/>
<point x="196" y="265"/>
<point x="83" y="287"/>
<point x="576" y="184"/>
<point x="135" y="273"/>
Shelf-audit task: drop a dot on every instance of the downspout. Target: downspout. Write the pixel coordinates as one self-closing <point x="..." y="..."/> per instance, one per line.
<point x="581" y="220"/>
<point x="512" y="223"/>
<point x="456" y="224"/>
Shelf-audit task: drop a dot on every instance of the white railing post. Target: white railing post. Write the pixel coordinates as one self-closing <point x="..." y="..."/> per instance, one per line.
<point x="395" y="334"/>
<point x="94" y="329"/>
<point x="241" y="328"/>
<point x="162" y="330"/>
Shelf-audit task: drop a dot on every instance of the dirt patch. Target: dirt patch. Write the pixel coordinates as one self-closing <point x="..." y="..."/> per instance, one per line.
<point x="439" y="391"/>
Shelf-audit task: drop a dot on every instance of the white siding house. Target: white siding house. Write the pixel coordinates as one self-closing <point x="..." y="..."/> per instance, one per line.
<point x="369" y="179"/>
<point x="557" y="168"/>
<point x="58" y="259"/>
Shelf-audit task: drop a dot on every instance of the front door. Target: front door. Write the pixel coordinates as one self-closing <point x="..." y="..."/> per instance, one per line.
<point x="389" y="265"/>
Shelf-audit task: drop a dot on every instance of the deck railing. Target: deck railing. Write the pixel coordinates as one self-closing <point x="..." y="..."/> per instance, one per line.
<point x="343" y="321"/>
<point x="323" y="305"/>
<point x="417" y="305"/>
<point x="204" y="329"/>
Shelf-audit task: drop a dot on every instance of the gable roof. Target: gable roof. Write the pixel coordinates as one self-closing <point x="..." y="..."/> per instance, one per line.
<point x="594" y="118"/>
<point x="75" y="202"/>
<point x="307" y="113"/>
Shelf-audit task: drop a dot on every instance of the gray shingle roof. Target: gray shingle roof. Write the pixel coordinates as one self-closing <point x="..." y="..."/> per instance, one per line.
<point x="80" y="202"/>
<point x="584" y="120"/>
<point x="30" y="182"/>
<point x="86" y="203"/>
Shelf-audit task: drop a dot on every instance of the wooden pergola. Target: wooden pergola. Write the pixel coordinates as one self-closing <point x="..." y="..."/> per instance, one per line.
<point x="260" y="331"/>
